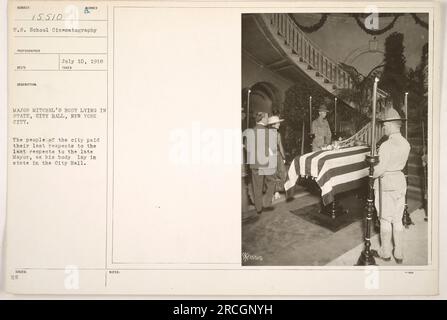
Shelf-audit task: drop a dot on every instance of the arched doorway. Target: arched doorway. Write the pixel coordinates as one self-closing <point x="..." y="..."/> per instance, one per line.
<point x="261" y="97"/>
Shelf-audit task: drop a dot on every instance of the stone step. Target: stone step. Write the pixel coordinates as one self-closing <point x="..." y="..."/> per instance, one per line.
<point x="414" y="133"/>
<point x="416" y="166"/>
<point x="415" y="158"/>
<point x="415" y="180"/>
<point x="416" y="149"/>
<point x="415" y="193"/>
<point x="415" y="141"/>
<point x="415" y="169"/>
<point x="413" y="113"/>
<point x="300" y="62"/>
<point x="415" y="124"/>
<point x="315" y="75"/>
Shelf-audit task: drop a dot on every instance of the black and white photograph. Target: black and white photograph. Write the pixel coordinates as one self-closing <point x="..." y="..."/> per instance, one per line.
<point x="128" y="125"/>
<point x="344" y="100"/>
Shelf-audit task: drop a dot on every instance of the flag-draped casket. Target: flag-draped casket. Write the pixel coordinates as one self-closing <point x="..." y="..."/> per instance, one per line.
<point x="334" y="171"/>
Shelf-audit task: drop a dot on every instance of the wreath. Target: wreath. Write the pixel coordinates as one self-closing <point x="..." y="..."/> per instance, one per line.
<point x="312" y="28"/>
<point x="357" y="16"/>
<point x="419" y="21"/>
<point x="373" y="31"/>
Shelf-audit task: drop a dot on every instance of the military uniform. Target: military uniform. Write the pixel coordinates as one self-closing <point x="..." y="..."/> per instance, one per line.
<point x="322" y="132"/>
<point x="391" y="183"/>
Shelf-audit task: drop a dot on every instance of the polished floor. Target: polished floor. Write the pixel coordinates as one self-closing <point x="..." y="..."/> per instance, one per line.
<point x="282" y="238"/>
<point x="415" y="246"/>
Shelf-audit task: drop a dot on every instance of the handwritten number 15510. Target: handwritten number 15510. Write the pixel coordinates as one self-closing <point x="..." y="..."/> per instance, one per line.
<point x="47" y="17"/>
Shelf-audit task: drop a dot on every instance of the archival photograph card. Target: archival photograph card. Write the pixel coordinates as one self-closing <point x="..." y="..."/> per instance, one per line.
<point x="223" y="148"/>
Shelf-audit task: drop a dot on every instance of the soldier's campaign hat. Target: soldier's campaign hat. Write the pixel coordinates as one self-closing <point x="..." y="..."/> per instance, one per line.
<point x="323" y="108"/>
<point x="390" y="114"/>
<point x="274" y="119"/>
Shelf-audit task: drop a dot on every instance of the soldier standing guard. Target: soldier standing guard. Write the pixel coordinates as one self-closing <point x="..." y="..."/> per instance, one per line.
<point x="321" y="130"/>
<point x="390" y="187"/>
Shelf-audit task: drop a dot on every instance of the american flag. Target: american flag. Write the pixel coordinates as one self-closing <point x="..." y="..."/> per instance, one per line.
<point x="334" y="171"/>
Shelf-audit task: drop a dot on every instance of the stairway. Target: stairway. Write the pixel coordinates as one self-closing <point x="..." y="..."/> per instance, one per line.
<point x="302" y="52"/>
<point x="298" y="50"/>
<point x="415" y="169"/>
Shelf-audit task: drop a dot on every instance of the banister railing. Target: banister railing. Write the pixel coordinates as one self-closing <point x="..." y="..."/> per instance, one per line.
<point x="308" y="51"/>
<point x="363" y="135"/>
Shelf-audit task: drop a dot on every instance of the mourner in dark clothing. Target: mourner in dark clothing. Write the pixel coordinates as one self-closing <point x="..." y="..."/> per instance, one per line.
<point x="262" y="165"/>
<point x="281" y="174"/>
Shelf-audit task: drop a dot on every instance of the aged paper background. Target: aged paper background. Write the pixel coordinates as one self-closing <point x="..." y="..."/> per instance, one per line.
<point x="214" y="218"/>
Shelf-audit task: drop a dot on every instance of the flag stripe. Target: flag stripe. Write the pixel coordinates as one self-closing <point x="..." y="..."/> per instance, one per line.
<point x="329" y="186"/>
<point x="292" y="175"/>
<point x="315" y="165"/>
<point x="343" y="187"/>
<point x="334" y="170"/>
<point x="337" y="171"/>
<point x="308" y="161"/>
<point x="339" y="155"/>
